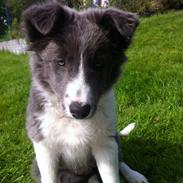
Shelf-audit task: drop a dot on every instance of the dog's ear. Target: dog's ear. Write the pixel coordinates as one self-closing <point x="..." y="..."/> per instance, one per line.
<point x="119" y="25"/>
<point x="43" y="20"/>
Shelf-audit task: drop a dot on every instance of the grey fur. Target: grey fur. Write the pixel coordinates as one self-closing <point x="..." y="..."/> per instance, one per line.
<point x="56" y="32"/>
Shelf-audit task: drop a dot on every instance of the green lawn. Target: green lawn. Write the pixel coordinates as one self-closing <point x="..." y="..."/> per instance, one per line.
<point x="150" y="94"/>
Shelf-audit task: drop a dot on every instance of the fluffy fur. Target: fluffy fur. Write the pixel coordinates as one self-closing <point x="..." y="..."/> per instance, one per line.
<point x="75" y="59"/>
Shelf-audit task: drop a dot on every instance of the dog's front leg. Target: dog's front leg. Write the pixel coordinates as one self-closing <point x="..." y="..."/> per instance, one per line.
<point x="106" y="156"/>
<point x="46" y="162"/>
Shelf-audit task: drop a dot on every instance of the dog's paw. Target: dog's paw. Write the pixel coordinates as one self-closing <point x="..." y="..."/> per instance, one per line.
<point x="131" y="175"/>
<point x="136" y="177"/>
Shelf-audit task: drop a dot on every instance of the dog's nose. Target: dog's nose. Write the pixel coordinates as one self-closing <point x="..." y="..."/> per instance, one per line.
<point x="79" y="111"/>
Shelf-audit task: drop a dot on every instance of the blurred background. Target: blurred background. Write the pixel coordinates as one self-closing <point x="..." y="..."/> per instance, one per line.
<point x="11" y="10"/>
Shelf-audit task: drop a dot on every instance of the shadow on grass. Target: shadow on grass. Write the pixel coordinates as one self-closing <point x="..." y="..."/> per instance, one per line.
<point x="160" y="162"/>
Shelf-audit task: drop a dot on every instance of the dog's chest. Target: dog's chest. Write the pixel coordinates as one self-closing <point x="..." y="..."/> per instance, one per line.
<point x="73" y="139"/>
<point x="67" y="137"/>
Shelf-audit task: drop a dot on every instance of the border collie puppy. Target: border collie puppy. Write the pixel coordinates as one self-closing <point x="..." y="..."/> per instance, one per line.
<point x="75" y="59"/>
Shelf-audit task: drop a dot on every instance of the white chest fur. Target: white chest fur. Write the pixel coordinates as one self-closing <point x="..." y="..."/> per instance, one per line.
<point x="73" y="138"/>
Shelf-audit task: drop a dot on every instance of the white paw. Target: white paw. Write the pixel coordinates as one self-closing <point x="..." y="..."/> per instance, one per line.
<point x="126" y="131"/>
<point x="136" y="177"/>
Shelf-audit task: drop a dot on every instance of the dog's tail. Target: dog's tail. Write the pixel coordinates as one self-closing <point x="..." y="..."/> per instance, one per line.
<point x="126" y="131"/>
<point x="130" y="175"/>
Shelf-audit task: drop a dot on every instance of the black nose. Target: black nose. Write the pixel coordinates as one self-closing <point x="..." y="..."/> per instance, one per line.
<point x="79" y="111"/>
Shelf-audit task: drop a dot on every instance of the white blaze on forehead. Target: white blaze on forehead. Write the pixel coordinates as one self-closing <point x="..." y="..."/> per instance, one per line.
<point x="77" y="90"/>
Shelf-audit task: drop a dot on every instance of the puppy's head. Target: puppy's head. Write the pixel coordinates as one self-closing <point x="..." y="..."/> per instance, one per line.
<point x="76" y="56"/>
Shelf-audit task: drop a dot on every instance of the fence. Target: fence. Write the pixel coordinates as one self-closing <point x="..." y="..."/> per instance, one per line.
<point x="14" y="46"/>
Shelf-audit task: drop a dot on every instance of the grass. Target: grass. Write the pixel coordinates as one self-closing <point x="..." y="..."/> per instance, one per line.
<point x="15" y="149"/>
<point x="150" y="93"/>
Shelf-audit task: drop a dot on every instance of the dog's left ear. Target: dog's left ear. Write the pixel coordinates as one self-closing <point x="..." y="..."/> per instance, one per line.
<point x="119" y="25"/>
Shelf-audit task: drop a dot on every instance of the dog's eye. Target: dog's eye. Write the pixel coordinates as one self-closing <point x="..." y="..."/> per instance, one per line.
<point x="60" y="62"/>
